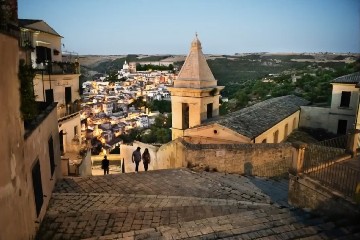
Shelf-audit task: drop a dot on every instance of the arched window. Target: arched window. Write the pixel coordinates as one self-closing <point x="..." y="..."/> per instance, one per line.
<point x="294" y="124"/>
<point x="276" y="136"/>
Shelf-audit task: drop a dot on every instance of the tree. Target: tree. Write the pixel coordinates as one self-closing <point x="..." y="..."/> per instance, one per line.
<point x="242" y="99"/>
<point x="139" y="103"/>
<point x="162" y="106"/>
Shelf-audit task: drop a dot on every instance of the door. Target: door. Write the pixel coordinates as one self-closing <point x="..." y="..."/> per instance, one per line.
<point x="342" y="126"/>
<point x="43" y="54"/>
<point x="51" y="156"/>
<point x="68" y="95"/>
<point x="61" y="138"/>
<point x="49" y="93"/>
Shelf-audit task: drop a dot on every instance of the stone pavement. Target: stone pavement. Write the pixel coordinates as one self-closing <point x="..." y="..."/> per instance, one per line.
<point x="180" y="204"/>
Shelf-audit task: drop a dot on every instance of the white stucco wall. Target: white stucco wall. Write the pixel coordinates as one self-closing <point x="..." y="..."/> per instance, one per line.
<point x="336" y="99"/>
<point x="58" y="84"/>
<point x="314" y="117"/>
<point x="67" y="126"/>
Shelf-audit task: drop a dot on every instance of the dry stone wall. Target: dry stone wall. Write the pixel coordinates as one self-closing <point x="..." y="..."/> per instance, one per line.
<point x="268" y="160"/>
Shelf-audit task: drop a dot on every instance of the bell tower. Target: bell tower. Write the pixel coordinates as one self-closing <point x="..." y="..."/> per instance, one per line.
<point x="195" y="94"/>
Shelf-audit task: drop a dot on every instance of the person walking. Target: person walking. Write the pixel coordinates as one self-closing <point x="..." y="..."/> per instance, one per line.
<point x="136" y="157"/>
<point x="146" y="159"/>
<point x="105" y="165"/>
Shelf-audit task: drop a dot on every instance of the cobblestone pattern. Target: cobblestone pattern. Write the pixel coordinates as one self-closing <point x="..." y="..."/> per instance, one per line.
<point x="179" y="204"/>
<point x="163" y="182"/>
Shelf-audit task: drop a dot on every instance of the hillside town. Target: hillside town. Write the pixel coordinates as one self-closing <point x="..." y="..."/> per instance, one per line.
<point x="107" y="110"/>
<point x="283" y="164"/>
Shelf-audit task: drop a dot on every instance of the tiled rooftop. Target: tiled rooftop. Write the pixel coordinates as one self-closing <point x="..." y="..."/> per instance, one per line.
<point x="350" y="78"/>
<point x="256" y="119"/>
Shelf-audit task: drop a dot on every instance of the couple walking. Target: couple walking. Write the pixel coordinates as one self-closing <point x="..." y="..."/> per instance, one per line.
<point x="136" y="157"/>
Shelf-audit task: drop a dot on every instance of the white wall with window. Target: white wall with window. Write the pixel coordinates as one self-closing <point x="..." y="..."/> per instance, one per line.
<point x="344" y="99"/>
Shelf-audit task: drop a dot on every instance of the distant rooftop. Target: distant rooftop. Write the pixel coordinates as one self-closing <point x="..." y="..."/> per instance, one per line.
<point x="353" y="78"/>
<point x="256" y="119"/>
<point x="37" y="25"/>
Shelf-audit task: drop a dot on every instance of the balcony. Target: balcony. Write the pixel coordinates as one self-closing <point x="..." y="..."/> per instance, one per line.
<point x="65" y="112"/>
<point x="56" y="68"/>
<point x="43" y="110"/>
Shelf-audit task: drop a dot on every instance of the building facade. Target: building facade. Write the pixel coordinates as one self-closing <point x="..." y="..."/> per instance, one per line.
<point x="55" y="81"/>
<point x="30" y="162"/>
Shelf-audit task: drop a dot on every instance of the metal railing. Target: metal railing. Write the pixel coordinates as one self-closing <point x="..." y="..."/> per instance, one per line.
<point x="338" y="142"/>
<point x="323" y="162"/>
<point x="59" y="68"/>
<point x="68" y="110"/>
<point x="338" y="176"/>
<point x="316" y="156"/>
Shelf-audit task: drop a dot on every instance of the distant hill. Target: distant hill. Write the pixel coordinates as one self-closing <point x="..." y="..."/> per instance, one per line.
<point x="230" y="70"/>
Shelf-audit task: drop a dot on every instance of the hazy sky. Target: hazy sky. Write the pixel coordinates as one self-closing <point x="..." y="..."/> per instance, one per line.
<point x="224" y="26"/>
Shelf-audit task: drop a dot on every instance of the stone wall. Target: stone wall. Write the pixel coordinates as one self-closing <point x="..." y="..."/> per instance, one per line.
<point x="266" y="160"/>
<point x="21" y="150"/>
<point x="308" y="193"/>
<point x="253" y="159"/>
<point x="14" y="203"/>
<point x="86" y="164"/>
<point x="168" y="156"/>
<point x="36" y="148"/>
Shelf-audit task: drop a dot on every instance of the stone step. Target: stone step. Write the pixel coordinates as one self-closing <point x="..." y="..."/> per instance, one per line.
<point x="181" y="182"/>
<point x="256" y="224"/>
<point x="80" y="202"/>
<point x="65" y="222"/>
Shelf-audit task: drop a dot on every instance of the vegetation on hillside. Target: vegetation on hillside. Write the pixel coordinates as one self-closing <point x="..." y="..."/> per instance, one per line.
<point x="159" y="132"/>
<point x="314" y="87"/>
<point x="147" y="67"/>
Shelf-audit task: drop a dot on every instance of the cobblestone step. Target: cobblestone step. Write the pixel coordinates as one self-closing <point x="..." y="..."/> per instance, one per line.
<point x="80" y="202"/>
<point x="257" y="224"/>
<point x="182" y="182"/>
<point x="181" y="204"/>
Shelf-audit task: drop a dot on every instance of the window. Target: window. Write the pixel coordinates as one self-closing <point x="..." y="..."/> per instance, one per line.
<point x="345" y="99"/>
<point x="185" y="116"/>
<point x="51" y="156"/>
<point x="264" y="141"/>
<point x="294" y="124"/>
<point x="209" y="110"/>
<point x="75" y="131"/>
<point x="286" y="130"/>
<point x="276" y="136"/>
<point x="37" y="187"/>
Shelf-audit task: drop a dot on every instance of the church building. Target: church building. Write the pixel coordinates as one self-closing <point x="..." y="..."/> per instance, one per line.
<point x="195" y="109"/>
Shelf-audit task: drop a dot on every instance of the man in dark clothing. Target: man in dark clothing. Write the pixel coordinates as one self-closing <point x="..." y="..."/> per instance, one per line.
<point x="136" y="157"/>
<point x="105" y="165"/>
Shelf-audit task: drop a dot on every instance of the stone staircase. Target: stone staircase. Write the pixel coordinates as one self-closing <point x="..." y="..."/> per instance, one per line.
<point x="181" y="204"/>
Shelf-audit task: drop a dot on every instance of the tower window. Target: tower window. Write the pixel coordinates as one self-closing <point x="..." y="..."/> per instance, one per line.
<point x="209" y="110"/>
<point x="185" y="114"/>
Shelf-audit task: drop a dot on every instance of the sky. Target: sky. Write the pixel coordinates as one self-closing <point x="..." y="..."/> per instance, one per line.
<point x="115" y="27"/>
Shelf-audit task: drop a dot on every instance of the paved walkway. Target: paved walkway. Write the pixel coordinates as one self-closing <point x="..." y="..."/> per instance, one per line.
<point x="179" y="204"/>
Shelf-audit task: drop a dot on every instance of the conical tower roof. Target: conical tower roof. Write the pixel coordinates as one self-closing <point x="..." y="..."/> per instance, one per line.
<point x="195" y="69"/>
